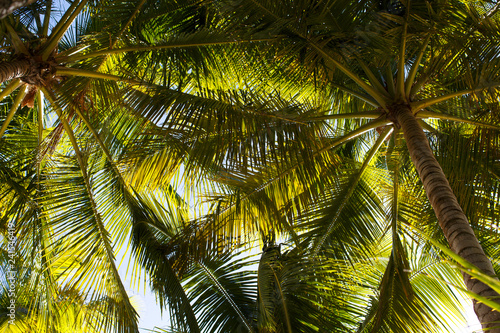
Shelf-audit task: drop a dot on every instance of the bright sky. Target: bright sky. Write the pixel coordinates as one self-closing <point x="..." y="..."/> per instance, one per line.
<point x="473" y="324"/>
<point x="144" y="301"/>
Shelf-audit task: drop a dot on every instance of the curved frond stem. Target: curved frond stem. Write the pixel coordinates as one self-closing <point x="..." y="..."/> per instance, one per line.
<point x="414" y="68"/>
<point x="76" y="148"/>
<point x="68" y="131"/>
<point x="106" y="151"/>
<point x="426" y="126"/>
<point x="400" y="84"/>
<point x="373" y="80"/>
<point x="77" y="57"/>
<point x="16" y="40"/>
<point x="95" y="75"/>
<point x="344" y="69"/>
<point x="354" y="134"/>
<point x="61" y="27"/>
<point x="282" y="296"/>
<point x="395" y="185"/>
<point x="100" y="143"/>
<point x="46" y="18"/>
<point x="383" y="136"/>
<point x="391" y="87"/>
<point x="430" y="114"/>
<point x="417" y="106"/>
<point x="40" y="115"/>
<point x="98" y="220"/>
<point x="13" y="110"/>
<point x="226" y="295"/>
<point x="13" y="85"/>
<point x="38" y="21"/>
<point x="422" y="79"/>
<point x="91" y="74"/>
<point x="354" y="115"/>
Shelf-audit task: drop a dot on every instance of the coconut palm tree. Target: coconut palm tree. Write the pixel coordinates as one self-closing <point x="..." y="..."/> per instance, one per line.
<point x="135" y="93"/>
<point x="409" y="65"/>
<point x="81" y="136"/>
<point x="327" y="63"/>
<point x="69" y="113"/>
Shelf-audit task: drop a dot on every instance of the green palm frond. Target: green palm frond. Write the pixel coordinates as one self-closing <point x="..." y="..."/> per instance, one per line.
<point x="82" y="232"/>
<point x="263" y="115"/>
<point x="161" y="259"/>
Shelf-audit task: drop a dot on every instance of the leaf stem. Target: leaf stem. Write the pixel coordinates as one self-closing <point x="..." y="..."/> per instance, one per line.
<point x="383" y="136"/>
<point x="417" y="106"/>
<point x="61" y="27"/>
<point x="13" y="110"/>
<point x="77" y="57"/>
<point x="430" y="114"/>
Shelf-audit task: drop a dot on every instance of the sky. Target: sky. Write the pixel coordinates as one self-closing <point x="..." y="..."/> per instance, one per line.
<point x="473" y="325"/>
<point x="143" y="299"/>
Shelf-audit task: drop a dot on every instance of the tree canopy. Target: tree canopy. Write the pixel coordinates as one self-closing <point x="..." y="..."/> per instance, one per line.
<point x="355" y="142"/>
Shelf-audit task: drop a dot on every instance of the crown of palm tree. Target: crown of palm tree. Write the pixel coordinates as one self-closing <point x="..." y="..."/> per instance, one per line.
<point x="288" y="117"/>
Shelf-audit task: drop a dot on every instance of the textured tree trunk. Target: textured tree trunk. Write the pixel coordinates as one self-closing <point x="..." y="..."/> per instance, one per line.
<point x="8" y="6"/>
<point x="14" y="69"/>
<point x="451" y="218"/>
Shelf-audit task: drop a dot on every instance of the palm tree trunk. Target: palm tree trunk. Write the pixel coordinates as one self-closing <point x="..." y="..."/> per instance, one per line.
<point x="451" y="218"/>
<point x="8" y="6"/>
<point x="14" y="69"/>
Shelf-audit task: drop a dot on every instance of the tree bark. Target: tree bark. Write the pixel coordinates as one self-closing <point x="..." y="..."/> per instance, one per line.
<point x="8" y="6"/>
<point x="451" y="218"/>
<point x="14" y="69"/>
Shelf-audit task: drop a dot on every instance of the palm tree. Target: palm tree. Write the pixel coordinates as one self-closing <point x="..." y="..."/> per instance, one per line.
<point x="408" y="65"/>
<point x="325" y="67"/>
<point x="91" y="136"/>
<point x="81" y="136"/>
<point x="69" y="115"/>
